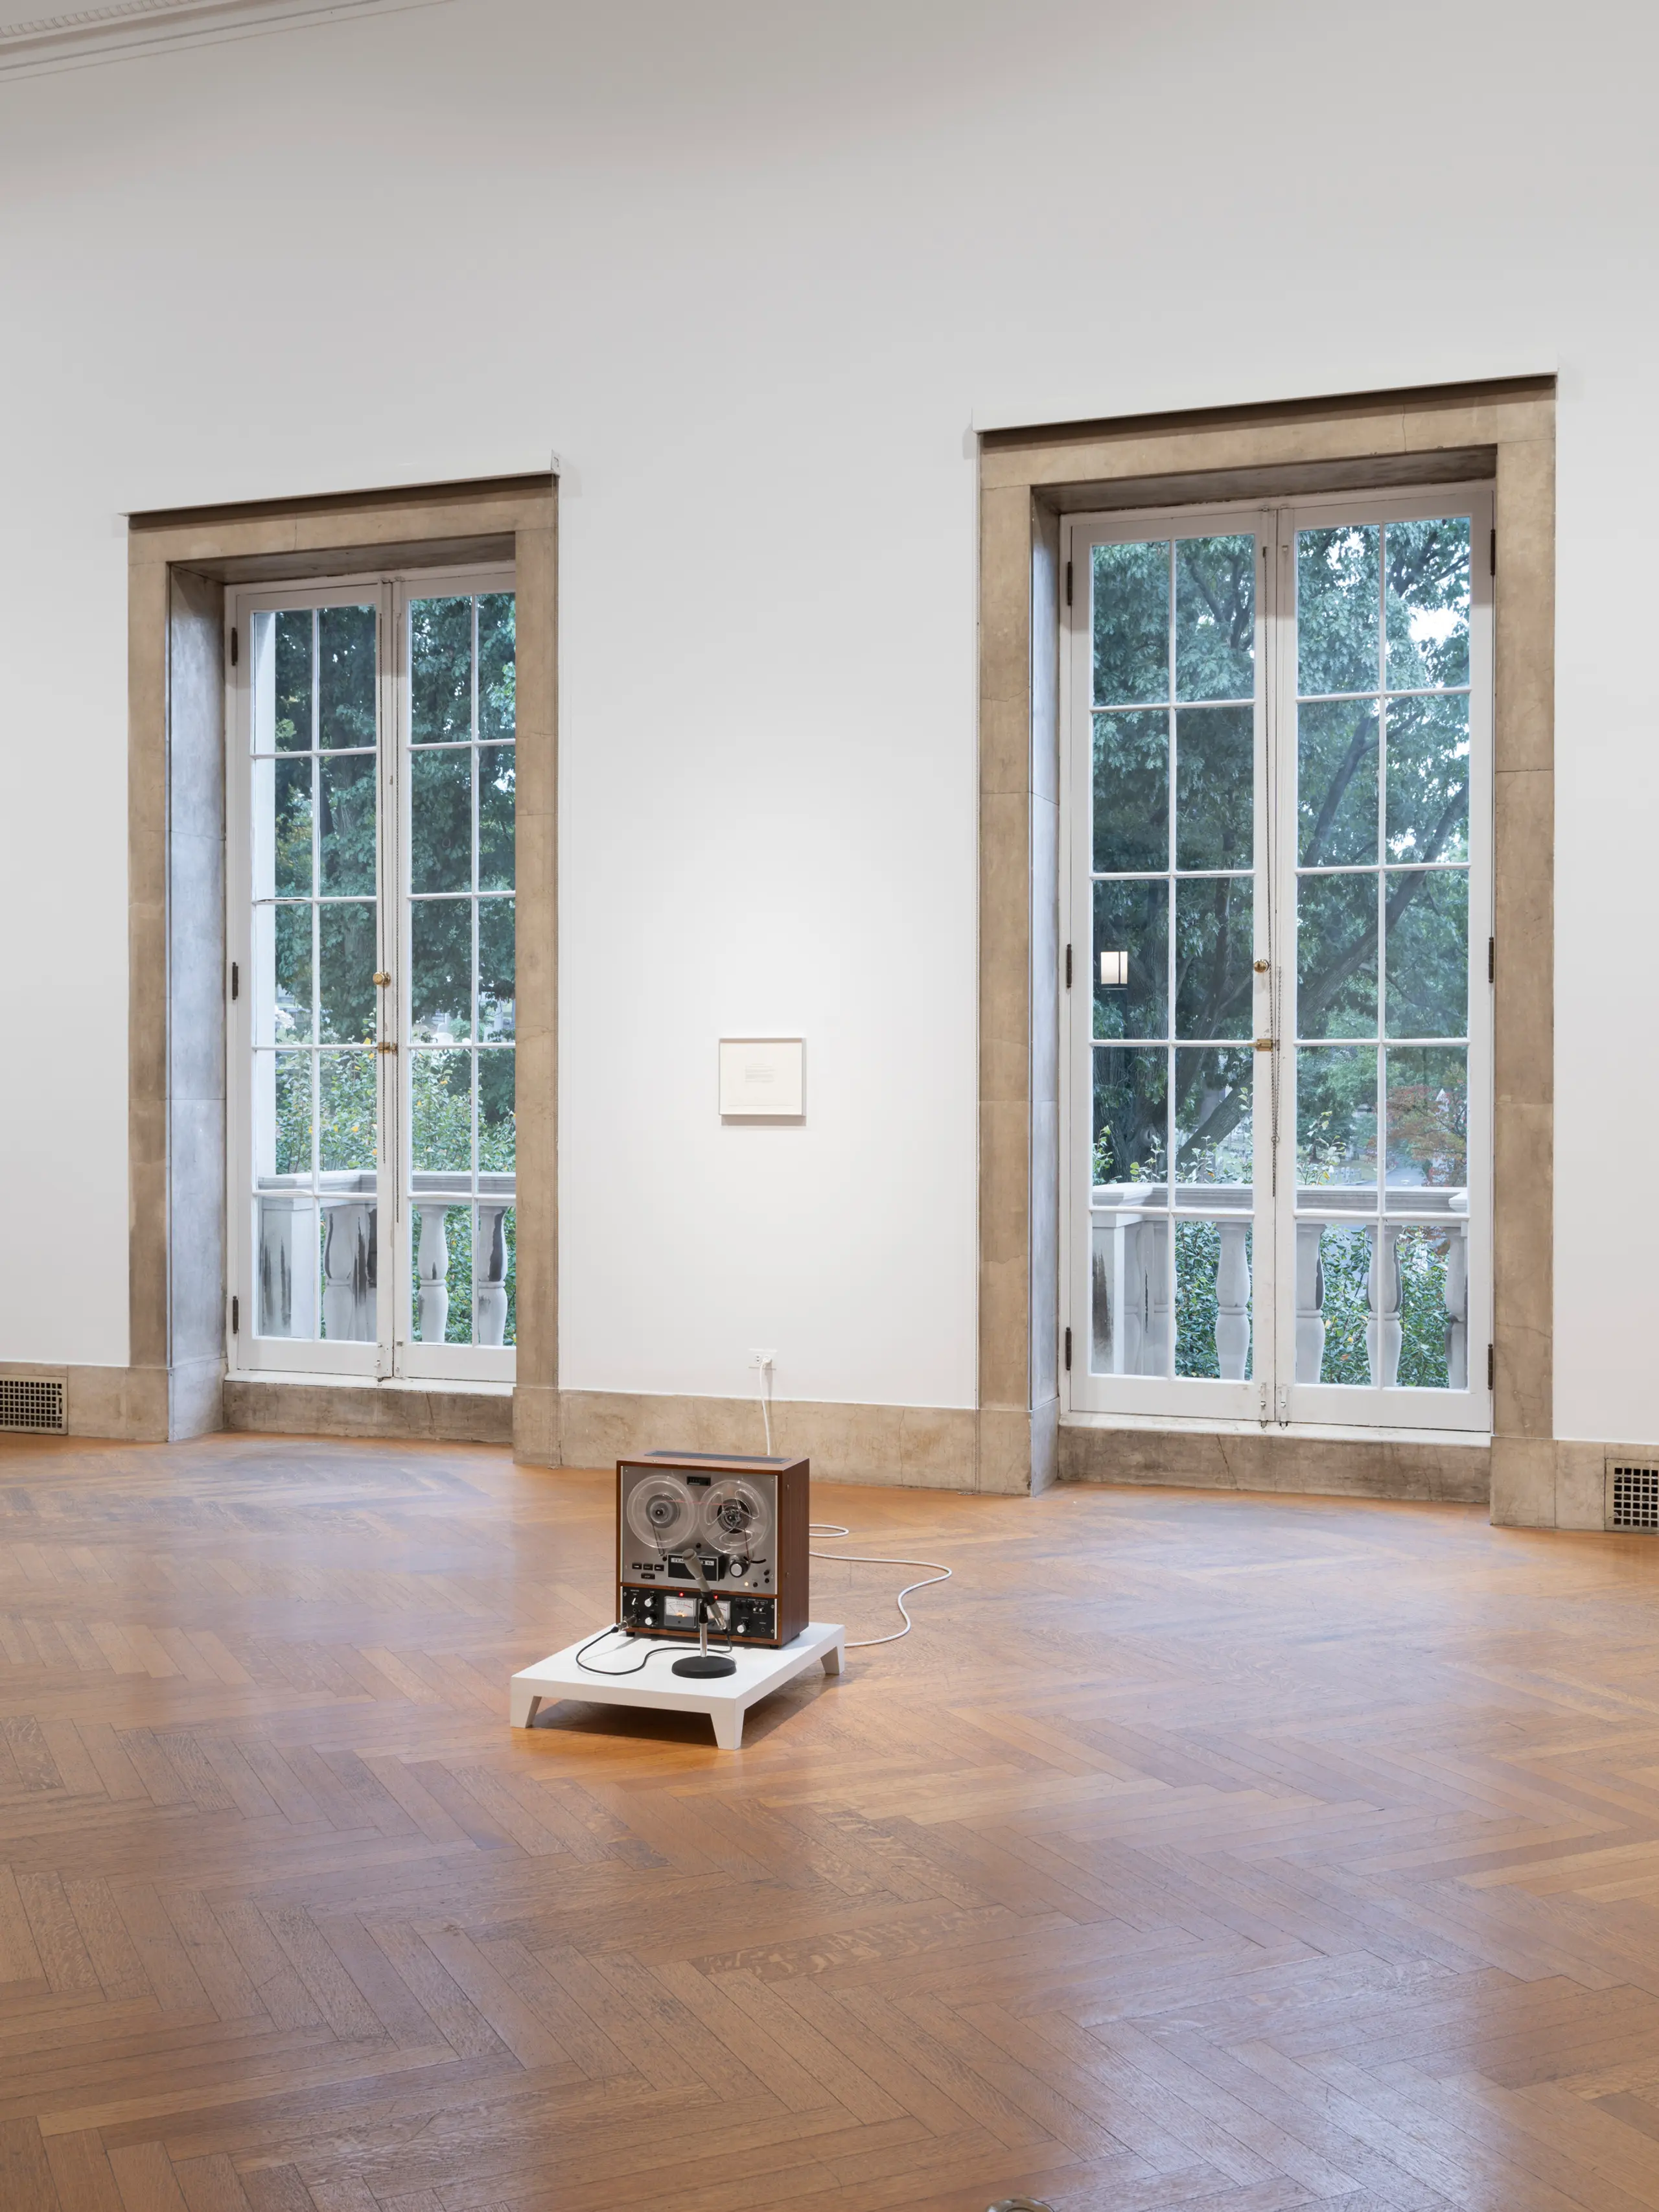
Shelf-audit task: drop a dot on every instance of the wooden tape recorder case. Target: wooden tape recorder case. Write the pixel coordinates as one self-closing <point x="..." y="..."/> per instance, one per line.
<point x="745" y="1523"/>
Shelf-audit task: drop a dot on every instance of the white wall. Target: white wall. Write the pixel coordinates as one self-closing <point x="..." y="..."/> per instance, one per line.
<point x="752" y="270"/>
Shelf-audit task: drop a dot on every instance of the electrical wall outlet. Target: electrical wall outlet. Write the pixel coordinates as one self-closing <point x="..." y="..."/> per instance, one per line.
<point x="762" y="1360"/>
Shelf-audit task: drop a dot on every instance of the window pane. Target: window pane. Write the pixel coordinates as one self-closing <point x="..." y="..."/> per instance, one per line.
<point x="1131" y="792"/>
<point x="1428" y="602"/>
<point x="349" y="1271"/>
<point x="1215" y="787"/>
<point x="293" y="722"/>
<point x="1132" y="623"/>
<point x="292" y="1149"/>
<point x="497" y="776"/>
<point x="347" y="956"/>
<point x="345" y="677"/>
<point x="1131" y="1135"/>
<point x="495" y="951"/>
<point x="440" y="820"/>
<point x="1336" y="782"/>
<point x="440" y="970"/>
<point x="1337" y="587"/>
<point x="497" y="669"/>
<point x="1345" y="1308"/>
<point x="440" y="1113"/>
<point x="1433" y="1309"/>
<point x="291" y="1010"/>
<point x="440" y="670"/>
<point x="1428" y="952"/>
<point x="1213" y="1142"/>
<point x="1215" y="617"/>
<point x="1428" y="1110"/>
<point x="1212" y="1300"/>
<point x="347" y="1111"/>
<point x="1214" y="986"/>
<point x="1336" y="956"/>
<point x="1336" y="1117"/>
<point x="286" y="1268"/>
<point x="345" y="820"/>
<point x="496" y="1118"/>
<point x="1129" y="1290"/>
<point x="289" y="787"/>
<point x="1133" y="918"/>
<point x="1428" y="778"/>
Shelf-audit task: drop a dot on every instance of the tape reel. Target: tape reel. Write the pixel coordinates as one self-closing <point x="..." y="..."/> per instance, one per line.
<point x="662" y="1512"/>
<point x="735" y="1518"/>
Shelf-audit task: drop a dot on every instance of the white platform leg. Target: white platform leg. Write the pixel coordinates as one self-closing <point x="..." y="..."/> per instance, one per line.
<point x="729" y="1728"/>
<point x="524" y="1703"/>
<point x="832" y="1660"/>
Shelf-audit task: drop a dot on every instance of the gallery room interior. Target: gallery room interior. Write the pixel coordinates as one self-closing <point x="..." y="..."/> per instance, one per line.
<point x="825" y="1376"/>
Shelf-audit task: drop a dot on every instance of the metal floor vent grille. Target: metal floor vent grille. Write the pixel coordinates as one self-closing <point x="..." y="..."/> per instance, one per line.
<point x="1635" y="1501"/>
<point x="31" y="1402"/>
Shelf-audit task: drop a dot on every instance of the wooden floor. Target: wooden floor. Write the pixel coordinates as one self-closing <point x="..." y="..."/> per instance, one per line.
<point x="1196" y="1850"/>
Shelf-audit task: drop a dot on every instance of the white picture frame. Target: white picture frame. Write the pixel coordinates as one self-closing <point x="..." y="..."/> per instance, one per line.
<point x="763" y="1079"/>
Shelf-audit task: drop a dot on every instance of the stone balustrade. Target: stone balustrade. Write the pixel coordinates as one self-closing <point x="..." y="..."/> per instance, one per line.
<point x="288" y="1285"/>
<point x="1133" y="1297"/>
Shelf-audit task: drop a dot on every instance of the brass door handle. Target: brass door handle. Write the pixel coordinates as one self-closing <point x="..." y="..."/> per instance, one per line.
<point x="386" y="1048"/>
<point x="382" y="977"/>
<point x="1263" y="1044"/>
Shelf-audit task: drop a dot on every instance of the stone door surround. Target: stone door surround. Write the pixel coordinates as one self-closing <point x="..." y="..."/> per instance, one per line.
<point x="1367" y="441"/>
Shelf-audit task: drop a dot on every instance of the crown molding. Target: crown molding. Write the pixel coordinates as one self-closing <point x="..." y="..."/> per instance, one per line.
<point x="82" y="36"/>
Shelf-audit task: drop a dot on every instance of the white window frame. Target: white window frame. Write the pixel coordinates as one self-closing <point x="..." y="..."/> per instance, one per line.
<point x="1271" y="1395"/>
<point x="394" y="1354"/>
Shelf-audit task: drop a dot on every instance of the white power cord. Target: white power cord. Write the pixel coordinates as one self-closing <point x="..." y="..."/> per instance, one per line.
<point x="764" y="1375"/>
<point x="866" y="1560"/>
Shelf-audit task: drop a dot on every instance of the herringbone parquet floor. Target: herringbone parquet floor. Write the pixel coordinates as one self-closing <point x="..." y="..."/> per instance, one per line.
<point x="1195" y="1851"/>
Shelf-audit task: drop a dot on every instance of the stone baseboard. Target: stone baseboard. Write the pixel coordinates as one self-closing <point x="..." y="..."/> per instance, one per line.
<point x="1556" y="1482"/>
<point x="1316" y="1466"/>
<point x="134" y="1405"/>
<point x="908" y="1447"/>
<point x="332" y="1409"/>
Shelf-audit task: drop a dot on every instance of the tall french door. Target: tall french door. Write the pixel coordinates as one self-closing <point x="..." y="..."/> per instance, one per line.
<point x="1279" y="1069"/>
<point x="371" y="793"/>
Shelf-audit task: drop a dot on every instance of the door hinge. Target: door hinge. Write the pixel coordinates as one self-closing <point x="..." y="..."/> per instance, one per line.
<point x="1491" y="959"/>
<point x="236" y="1316"/>
<point x="235" y="646"/>
<point x="1492" y="1366"/>
<point x="235" y="980"/>
<point x="1068" y="1351"/>
<point x="1068" y="583"/>
<point x="1492" y="555"/>
<point x="1069" y="967"/>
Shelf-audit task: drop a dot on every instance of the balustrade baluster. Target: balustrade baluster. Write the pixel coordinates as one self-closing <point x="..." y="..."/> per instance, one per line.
<point x="490" y="1275"/>
<point x="1154" y="1250"/>
<point x="1310" y="1302"/>
<point x="1383" y="1331"/>
<point x="1232" y="1301"/>
<point x="432" y="1267"/>
<point x="349" y="1271"/>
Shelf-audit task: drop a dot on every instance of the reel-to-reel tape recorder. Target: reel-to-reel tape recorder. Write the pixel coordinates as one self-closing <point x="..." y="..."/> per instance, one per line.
<point x="693" y="1525"/>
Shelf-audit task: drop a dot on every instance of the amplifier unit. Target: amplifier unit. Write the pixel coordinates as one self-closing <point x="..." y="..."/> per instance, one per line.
<point x="694" y="1522"/>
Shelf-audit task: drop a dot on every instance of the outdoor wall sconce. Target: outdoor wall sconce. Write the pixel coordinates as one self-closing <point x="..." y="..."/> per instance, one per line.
<point x="1114" y="971"/>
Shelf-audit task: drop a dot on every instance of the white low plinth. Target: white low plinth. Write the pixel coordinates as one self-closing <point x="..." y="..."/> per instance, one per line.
<point x="725" y="1697"/>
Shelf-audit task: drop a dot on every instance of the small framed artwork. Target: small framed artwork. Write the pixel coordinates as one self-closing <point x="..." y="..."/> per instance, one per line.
<point x="763" y="1079"/>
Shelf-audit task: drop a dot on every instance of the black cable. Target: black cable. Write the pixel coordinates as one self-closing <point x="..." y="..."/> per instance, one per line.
<point x="617" y="1673"/>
